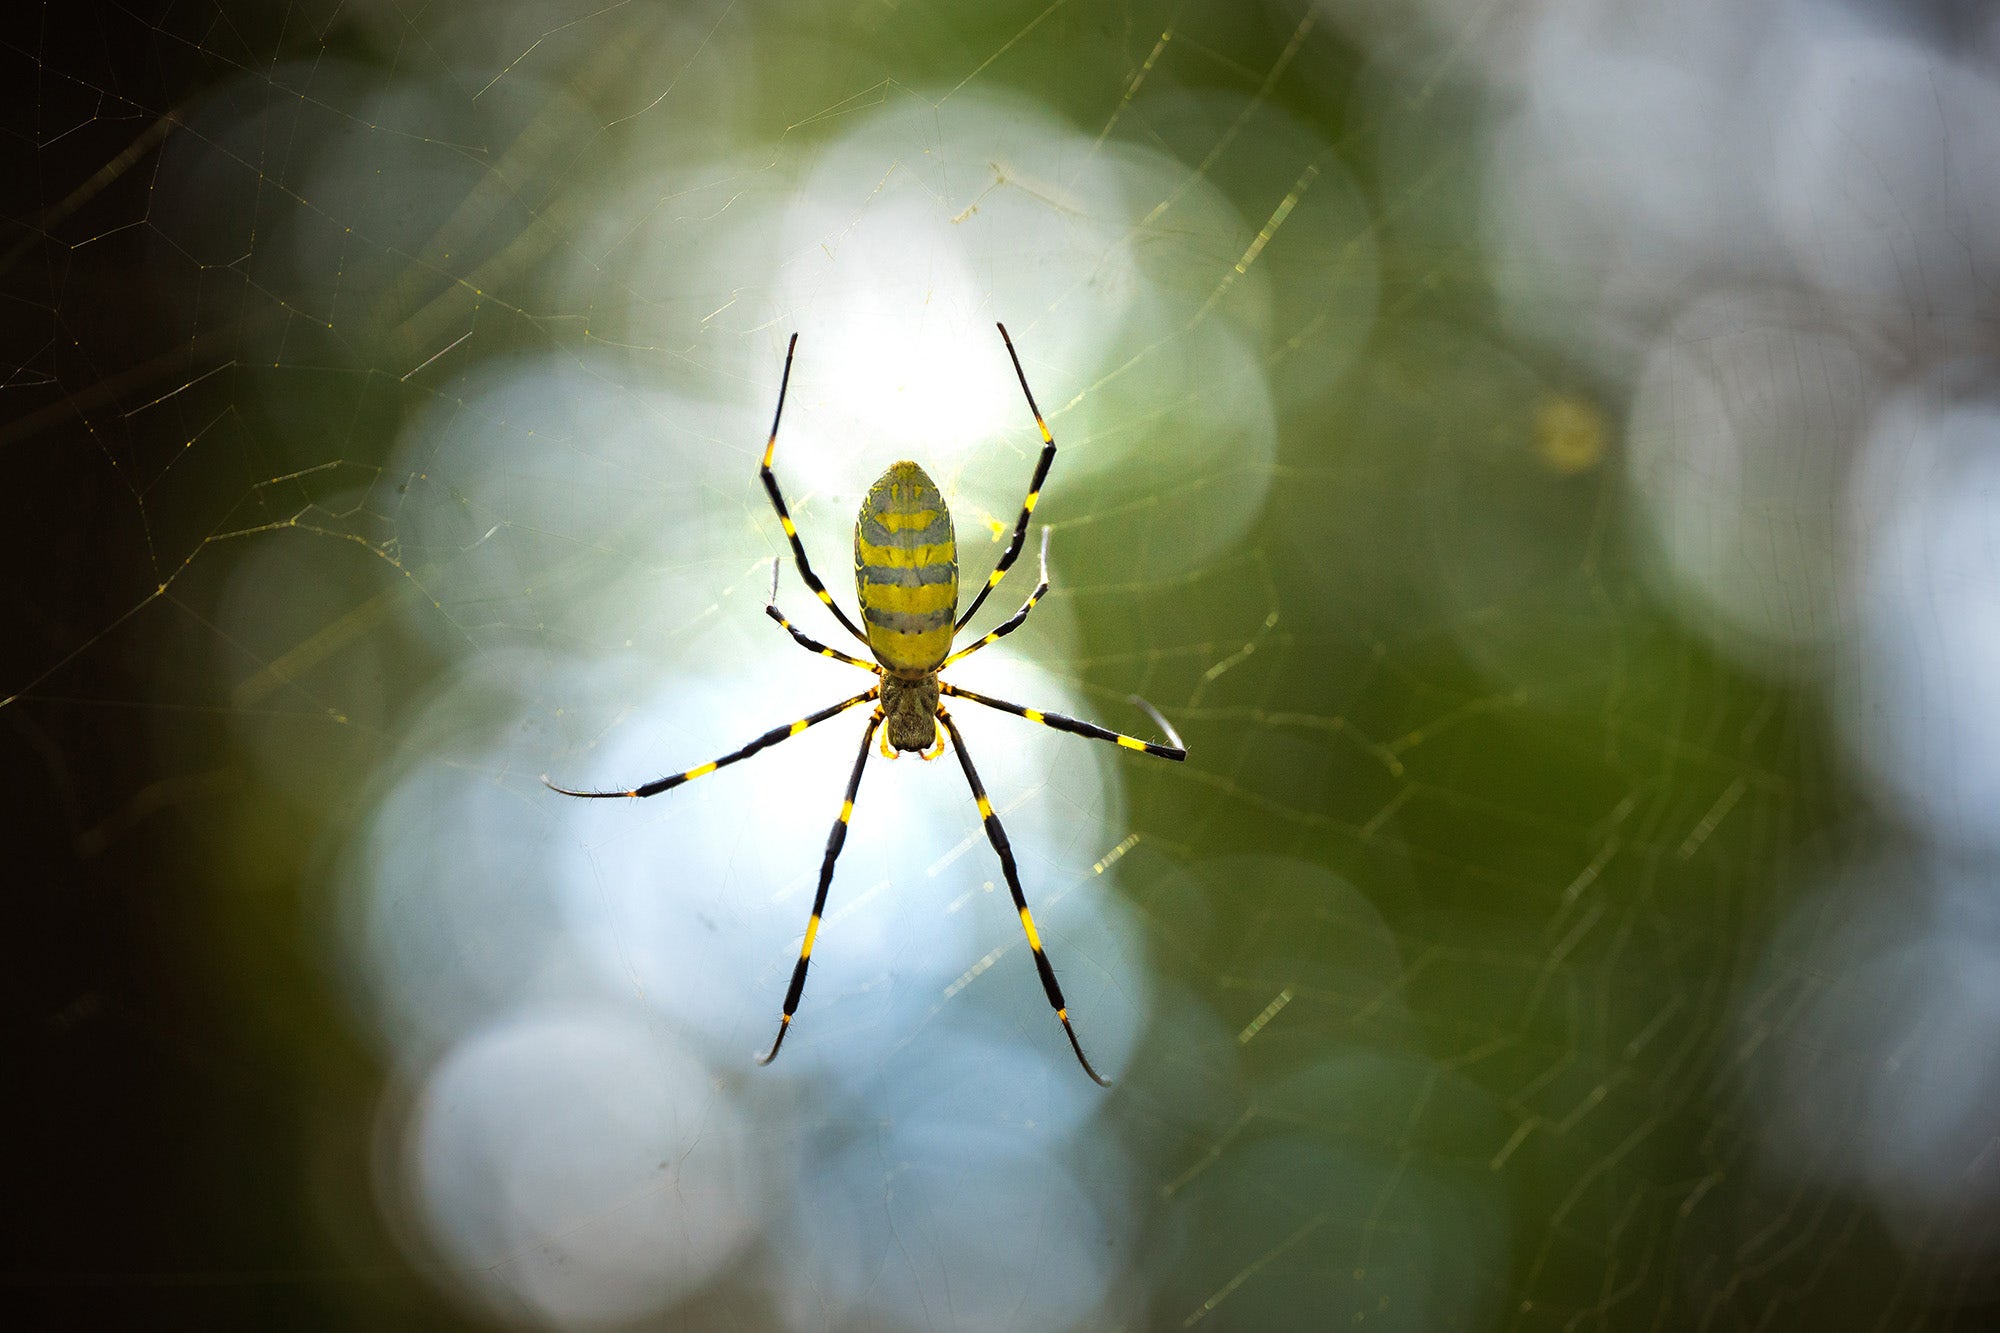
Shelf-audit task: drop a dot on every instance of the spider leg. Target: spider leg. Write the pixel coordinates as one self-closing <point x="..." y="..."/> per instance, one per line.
<point x="804" y="640"/>
<point x="1034" y="485"/>
<point x="998" y="837"/>
<point x="1177" y="750"/>
<point x="834" y="842"/>
<point x="769" y="738"/>
<point x="1013" y="622"/>
<point x="770" y="480"/>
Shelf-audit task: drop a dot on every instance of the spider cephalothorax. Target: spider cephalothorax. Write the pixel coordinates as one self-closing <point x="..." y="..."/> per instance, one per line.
<point x="910" y="711"/>
<point x="906" y="572"/>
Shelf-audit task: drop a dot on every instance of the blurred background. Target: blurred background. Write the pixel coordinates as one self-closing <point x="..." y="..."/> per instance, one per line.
<point x="1544" y="456"/>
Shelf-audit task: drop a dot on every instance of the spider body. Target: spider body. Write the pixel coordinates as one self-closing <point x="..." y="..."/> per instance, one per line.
<point x="906" y="578"/>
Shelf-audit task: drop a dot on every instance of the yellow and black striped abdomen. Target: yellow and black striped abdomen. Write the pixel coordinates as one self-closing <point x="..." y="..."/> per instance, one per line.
<point x="906" y="570"/>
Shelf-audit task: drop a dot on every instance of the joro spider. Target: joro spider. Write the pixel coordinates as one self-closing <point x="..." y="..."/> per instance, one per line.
<point x="906" y="577"/>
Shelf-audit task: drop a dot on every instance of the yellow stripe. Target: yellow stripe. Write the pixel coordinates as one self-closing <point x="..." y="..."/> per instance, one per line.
<point x="693" y="773"/>
<point x="770" y="447"/>
<point x="1046" y="437"/>
<point x="904" y="557"/>
<point x="895" y="522"/>
<point x="847" y="809"/>
<point x="1131" y="744"/>
<point x="994" y="581"/>
<point x="800" y="726"/>
<point x="1029" y="505"/>
<point x="1063" y="1014"/>
<point x="812" y="929"/>
<point x="923" y="597"/>
<point x="1031" y="715"/>
<point x="826" y="596"/>
<point x="1028" y="924"/>
<point x="911" y="650"/>
<point x="786" y="524"/>
<point x="985" y="808"/>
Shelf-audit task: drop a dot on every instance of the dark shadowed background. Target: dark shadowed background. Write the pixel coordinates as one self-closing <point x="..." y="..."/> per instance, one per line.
<point x="1543" y="455"/>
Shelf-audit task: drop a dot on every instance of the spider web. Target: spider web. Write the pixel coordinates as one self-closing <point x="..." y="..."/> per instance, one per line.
<point x="1536" y="462"/>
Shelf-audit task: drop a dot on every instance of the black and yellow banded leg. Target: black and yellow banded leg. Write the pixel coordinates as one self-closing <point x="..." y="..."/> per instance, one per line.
<point x="834" y="841"/>
<point x="770" y="480"/>
<point x="1177" y="750"/>
<point x="765" y="741"/>
<point x="806" y="640"/>
<point x="1001" y="847"/>
<point x="1034" y="486"/>
<point x="1013" y="622"/>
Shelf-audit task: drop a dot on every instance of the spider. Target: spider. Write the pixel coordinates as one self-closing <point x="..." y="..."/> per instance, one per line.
<point x="906" y="577"/>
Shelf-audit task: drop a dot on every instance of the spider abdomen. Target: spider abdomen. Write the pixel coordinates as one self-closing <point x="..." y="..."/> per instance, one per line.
<point x="906" y="571"/>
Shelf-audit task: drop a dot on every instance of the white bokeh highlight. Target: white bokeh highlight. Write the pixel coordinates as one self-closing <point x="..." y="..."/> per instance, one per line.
<point x="578" y="1167"/>
<point x="894" y="247"/>
<point x="1921" y="693"/>
<point x="1745" y="422"/>
<point x="1886" y="176"/>
<point x="1883" y="1076"/>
